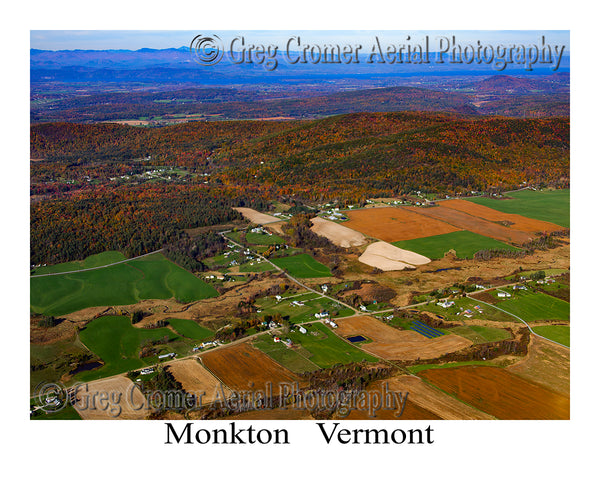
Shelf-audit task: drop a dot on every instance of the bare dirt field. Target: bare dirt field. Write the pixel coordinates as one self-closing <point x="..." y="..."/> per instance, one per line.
<point x="387" y="257"/>
<point x="464" y="221"/>
<point x="547" y="364"/>
<point x="337" y="234"/>
<point x="393" y="344"/>
<point x="516" y="222"/>
<point x="195" y="379"/>
<point x="121" y="399"/>
<point x="392" y="224"/>
<point x="244" y="368"/>
<point x="500" y="393"/>
<point x="256" y="217"/>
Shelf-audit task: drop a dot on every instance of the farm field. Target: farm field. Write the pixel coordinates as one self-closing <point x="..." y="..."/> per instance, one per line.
<point x="302" y="266"/>
<point x="338" y="234"/>
<point x="190" y="329"/>
<point x="325" y="348"/>
<point x="547" y="364"/>
<point x="98" y="260"/>
<point x="535" y="306"/>
<point x="294" y="359"/>
<point x="548" y="205"/>
<point x="479" y="334"/>
<point x="430" y="399"/>
<point x="242" y="367"/>
<point x="392" y="224"/>
<point x="518" y="222"/>
<point x="393" y="344"/>
<point x="195" y="379"/>
<point x="118" y="343"/>
<point x="500" y="393"/>
<point x="558" y="333"/>
<point x="463" y="242"/>
<point x="464" y="221"/>
<point x="151" y="277"/>
<point x="117" y="386"/>
<point x="387" y="257"/>
<point x="263" y="239"/>
<point x="256" y="217"/>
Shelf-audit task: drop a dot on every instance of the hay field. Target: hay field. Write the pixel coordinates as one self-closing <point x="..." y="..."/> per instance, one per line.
<point x="387" y="257"/>
<point x="338" y="234"/>
<point x="122" y="400"/>
<point x="195" y="379"/>
<point x="256" y="217"/>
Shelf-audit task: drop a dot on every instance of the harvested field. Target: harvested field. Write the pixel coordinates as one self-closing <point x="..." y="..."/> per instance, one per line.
<point x="337" y="234"/>
<point x="256" y="217"/>
<point x="500" y="393"/>
<point x="392" y="224"/>
<point x="464" y="221"/>
<point x="393" y="344"/>
<point x="387" y="257"/>
<point x="115" y="388"/>
<point x="243" y="368"/>
<point x="277" y="227"/>
<point x="195" y="379"/>
<point x="514" y="221"/>
<point x="425" y="402"/>
<point x="547" y="364"/>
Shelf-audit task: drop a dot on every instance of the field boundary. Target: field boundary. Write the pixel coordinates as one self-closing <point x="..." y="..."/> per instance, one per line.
<point x="97" y="268"/>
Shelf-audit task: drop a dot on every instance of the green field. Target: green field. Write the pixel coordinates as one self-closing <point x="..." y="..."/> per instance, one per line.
<point x="325" y="348"/>
<point x="478" y="334"/>
<point x="118" y="343"/>
<point x="465" y="244"/>
<point x="535" y="306"/>
<point x="151" y="277"/>
<point x="548" y="205"/>
<point x="98" y="260"/>
<point x="302" y="266"/>
<point x="263" y="239"/>
<point x="295" y="360"/>
<point x="190" y="329"/>
<point x="257" y="267"/>
<point x="558" y="333"/>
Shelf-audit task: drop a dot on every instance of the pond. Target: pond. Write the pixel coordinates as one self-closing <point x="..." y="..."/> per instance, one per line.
<point x="356" y="339"/>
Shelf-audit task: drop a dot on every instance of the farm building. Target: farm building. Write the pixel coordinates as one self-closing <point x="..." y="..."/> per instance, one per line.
<point x="446" y="304"/>
<point x="504" y="294"/>
<point x="302" y="330"/>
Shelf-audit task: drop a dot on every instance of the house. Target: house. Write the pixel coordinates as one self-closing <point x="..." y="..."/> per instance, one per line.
<point x="480" y="287"/>
<point x="502" y="294"/>
<point x="363" y="308"/>
<point x="278" y="298"/>
<point x="324" y="288"/>
<point x="445" y="304"/>
<point x="276" y="339"/>
<point x="302" y="330"/>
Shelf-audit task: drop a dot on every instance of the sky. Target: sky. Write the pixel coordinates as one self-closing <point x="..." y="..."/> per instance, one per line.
<point x="159" y="39"/>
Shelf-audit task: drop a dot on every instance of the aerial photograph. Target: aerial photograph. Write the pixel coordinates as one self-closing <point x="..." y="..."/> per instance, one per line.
<point x="299" y="225"/>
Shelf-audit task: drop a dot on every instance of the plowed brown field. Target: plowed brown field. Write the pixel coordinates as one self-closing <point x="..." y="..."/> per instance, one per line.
<point x="194" y="378"/>
<point x="393" y="344"/>
<point x="244" y="368"/>
<point x="500" y="393"/>
<point x="392" y="224"/>
<point x="464" y="221"/>
<point x="518" y="222"/>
